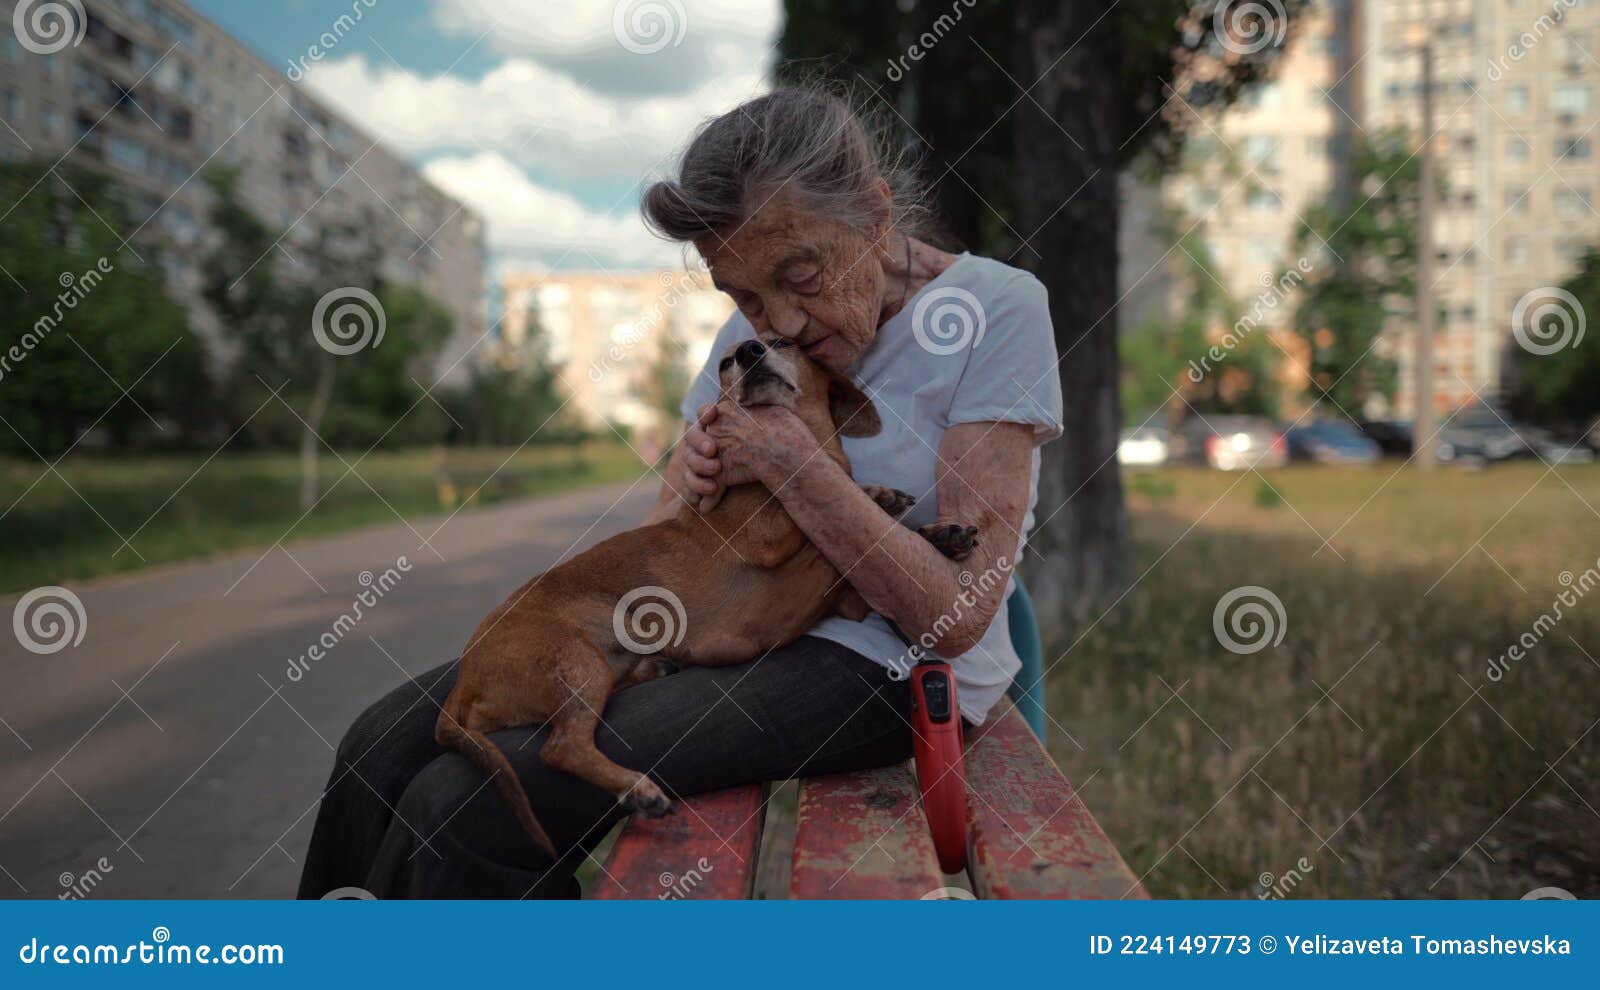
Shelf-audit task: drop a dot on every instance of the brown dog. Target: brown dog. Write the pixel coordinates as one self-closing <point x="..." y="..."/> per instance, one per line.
<point x="712" y="590"/>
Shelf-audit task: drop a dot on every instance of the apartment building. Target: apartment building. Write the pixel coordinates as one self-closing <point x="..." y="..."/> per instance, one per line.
<point x="1248" y="175"/>
<point x="608" y="331"/>
<point x="1515" y="113"/>
<point x="153" y="92"/>
<point x="1515" y="117"/>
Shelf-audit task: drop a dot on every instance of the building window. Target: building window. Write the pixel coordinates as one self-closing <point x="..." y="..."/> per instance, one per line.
<point x="1517" y="254"/>
<point x="1261" y="151"/>
<point x="1517" y="99"/>
<point x="1576" y="148"/>
<point x="1263" y="200"/>
<point x="1516" y="201"/>
<point x="1517" y="150"/>
<point x="1571" y="202"/>
<point x="1570" y="98"/>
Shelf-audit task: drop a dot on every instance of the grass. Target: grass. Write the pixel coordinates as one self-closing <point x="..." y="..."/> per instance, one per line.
<point x="1415" y="774"/>
<point x="65" y="526"/>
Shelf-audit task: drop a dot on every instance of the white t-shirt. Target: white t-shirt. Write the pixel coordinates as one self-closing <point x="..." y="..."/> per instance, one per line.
<point x="974" y="345"/>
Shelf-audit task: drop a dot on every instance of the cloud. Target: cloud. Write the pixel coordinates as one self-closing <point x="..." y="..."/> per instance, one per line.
<point x="527" y="112"/>
<point x="534" y="225"/>
<point x="627" y="46"/>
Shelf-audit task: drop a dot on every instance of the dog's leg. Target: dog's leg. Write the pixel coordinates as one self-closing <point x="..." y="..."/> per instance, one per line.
<point x="571" y="744"/>
<point x="647" y="669"/>
<point x="951" y="539"/>
<point x="891" y="500"/>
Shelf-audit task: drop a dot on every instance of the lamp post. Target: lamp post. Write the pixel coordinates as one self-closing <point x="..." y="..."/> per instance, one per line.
<point x="1422" y="421"/>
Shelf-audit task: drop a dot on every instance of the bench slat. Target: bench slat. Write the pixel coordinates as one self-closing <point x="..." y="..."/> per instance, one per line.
<point x="1031" y="836"/>
<point x="863" y="835"/>
<point x="705" y="850"/>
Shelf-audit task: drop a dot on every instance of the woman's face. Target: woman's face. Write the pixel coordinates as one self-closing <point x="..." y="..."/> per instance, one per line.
<point x="816" y="282"/>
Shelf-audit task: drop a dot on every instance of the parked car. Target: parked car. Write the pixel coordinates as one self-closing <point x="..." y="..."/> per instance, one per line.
<point x="1233" y="443"/>
<point x="1144" y="446"/>
<point x="1481" y="434"/>
<point x="1331" y="441"/>
<point x="1553" y="451"/>
<point x="1392" y="436"/>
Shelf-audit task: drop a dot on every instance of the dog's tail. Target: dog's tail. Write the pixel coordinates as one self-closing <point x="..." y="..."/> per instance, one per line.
<point x="486" y="756"/>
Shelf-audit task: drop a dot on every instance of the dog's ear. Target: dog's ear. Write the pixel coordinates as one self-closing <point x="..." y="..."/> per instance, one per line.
<point x="853" y="413"/>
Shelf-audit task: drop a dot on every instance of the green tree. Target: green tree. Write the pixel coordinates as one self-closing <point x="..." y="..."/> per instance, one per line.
<point x="1025" y="114"/>
<point x="307" y="314"/>
<point x="1362" y="251"/>
<point x="85" y="317"/>
<point x="1554" y="357"/>
<point x="513" y="400"/>
<point x="1215" y="358"/>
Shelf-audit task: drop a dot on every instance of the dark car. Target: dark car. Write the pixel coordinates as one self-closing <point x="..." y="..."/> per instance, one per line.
<point x="1392" y="436"/>
<point x="1331" y="441"/>
<point x="1481" y="434"/>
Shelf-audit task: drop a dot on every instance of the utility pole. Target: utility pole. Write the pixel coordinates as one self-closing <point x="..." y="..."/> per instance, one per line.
<point x="1422" y="420"/>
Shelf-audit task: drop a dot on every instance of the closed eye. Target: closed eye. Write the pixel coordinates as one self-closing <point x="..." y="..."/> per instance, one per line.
<point x="807" y="284"/>
<point x="780" y="342"/>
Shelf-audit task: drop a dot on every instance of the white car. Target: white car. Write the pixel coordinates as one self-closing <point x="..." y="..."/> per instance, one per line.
<point x="1144" y="446"/>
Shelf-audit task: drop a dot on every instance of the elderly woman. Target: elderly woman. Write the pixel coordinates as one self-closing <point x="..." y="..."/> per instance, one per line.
<point x="811" y="231"/>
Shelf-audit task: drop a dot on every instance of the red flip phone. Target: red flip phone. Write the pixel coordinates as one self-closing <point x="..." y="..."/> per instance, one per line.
<point x="941" y="771"/>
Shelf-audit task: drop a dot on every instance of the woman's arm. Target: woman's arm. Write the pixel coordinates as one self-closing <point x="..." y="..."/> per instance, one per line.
<point x="983" y="480"/>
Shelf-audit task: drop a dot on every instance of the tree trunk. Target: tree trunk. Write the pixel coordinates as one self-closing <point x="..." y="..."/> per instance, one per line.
<point x="321" y="396"/>
<point x="1068" y="151"/>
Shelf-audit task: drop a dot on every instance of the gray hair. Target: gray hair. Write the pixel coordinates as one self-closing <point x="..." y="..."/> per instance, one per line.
<point x="805" y="141"/>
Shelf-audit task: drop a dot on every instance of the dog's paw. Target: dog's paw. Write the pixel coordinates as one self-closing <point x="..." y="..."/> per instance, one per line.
<point x="891" y="500"/>
<point x="951" y="539"/>
<point x="646" y="799"/>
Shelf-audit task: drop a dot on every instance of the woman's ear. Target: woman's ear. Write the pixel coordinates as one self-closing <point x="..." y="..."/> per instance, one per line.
<point x="853" y="413"/>
<point x="882" y="215"/>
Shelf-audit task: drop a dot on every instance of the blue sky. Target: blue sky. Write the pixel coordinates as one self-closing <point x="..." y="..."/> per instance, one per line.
<point x="546" y="117"/>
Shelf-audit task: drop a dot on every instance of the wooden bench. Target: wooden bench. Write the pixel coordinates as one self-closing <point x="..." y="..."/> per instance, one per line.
<point x="863" y="835"/>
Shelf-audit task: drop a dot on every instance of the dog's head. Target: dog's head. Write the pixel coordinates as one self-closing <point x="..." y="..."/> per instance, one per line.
<point x="772" y="371"/>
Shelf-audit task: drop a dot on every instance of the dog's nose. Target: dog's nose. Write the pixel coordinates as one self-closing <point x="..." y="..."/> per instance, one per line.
<point x="749" y="353"/>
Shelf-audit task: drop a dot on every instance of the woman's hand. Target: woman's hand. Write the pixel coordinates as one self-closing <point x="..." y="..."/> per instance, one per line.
<point x="730" y="445"/>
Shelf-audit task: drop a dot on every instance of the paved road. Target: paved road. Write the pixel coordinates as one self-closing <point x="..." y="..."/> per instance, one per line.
<point x="203" y="778"/>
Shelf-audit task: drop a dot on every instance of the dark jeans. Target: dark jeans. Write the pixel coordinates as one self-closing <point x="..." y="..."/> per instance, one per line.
<point x="404" y="817"/>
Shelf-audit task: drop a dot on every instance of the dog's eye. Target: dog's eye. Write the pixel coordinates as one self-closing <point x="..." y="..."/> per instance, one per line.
<point x="780" y="343"/>
<point x="724" y="363"/>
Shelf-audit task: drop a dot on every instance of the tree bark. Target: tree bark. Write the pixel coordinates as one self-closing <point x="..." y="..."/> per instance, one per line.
<point x="321" y="396"/>
<point x="1066" y="153"/>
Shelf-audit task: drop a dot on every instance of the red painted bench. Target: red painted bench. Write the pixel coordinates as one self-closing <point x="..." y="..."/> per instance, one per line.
<point x="863" y="835"/>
